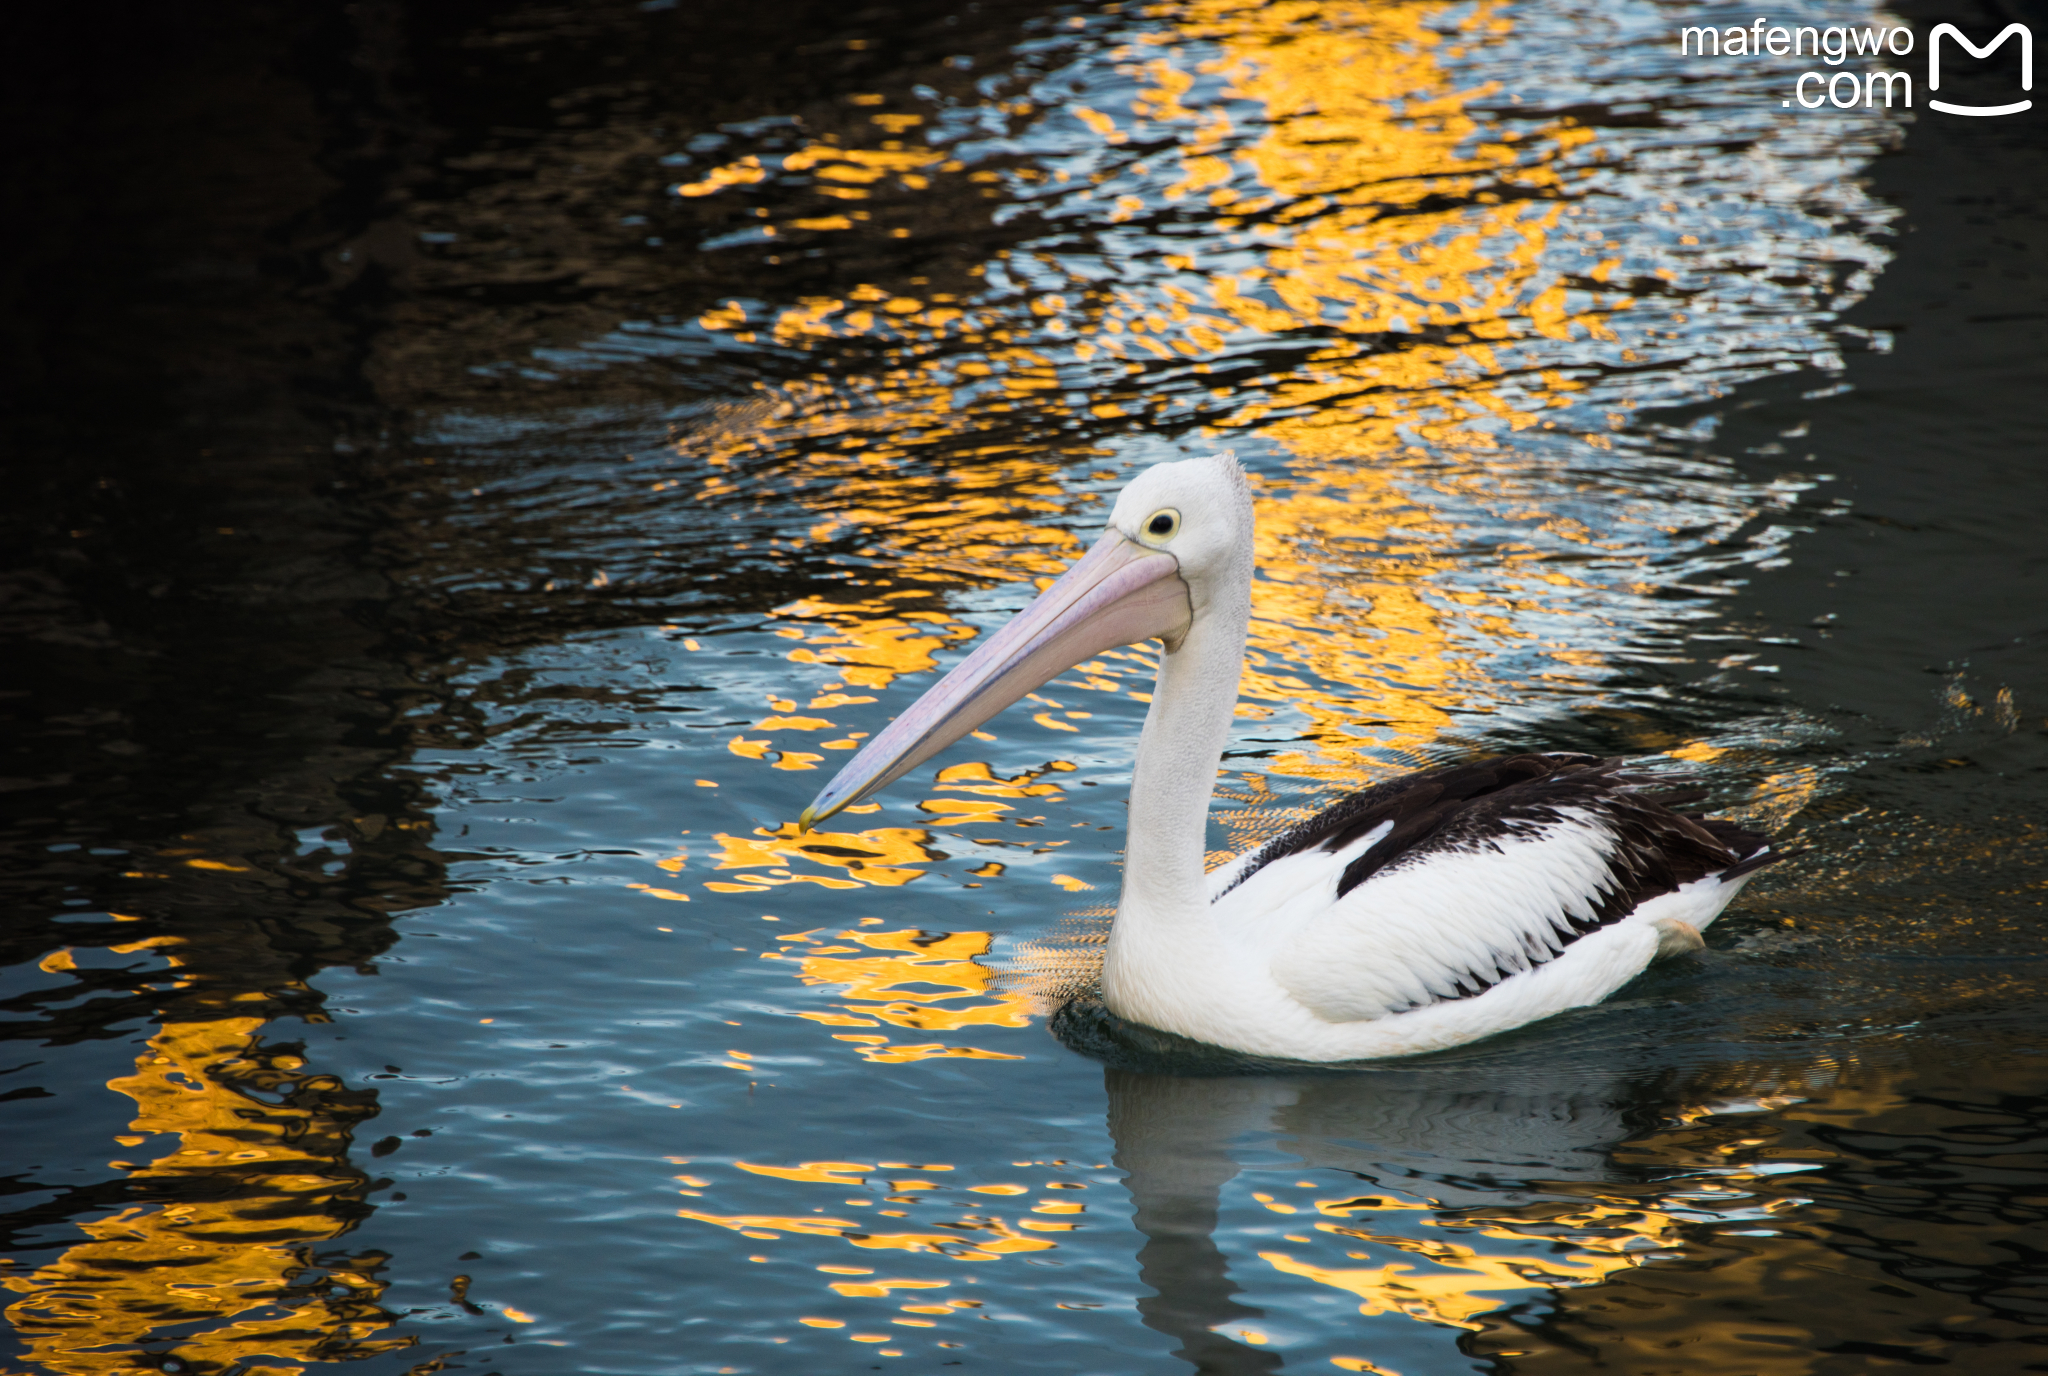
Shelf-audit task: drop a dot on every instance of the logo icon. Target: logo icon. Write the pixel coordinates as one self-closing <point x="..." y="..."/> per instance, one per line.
<point x="2026" y="38"/>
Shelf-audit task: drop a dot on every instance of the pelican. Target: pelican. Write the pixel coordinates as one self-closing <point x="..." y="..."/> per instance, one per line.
<point x="1420" y="913"/>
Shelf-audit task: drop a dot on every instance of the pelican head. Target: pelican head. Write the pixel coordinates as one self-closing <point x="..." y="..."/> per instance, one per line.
<point x="1178" y="543"/>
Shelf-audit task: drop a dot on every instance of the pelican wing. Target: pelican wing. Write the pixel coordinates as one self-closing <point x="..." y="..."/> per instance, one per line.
<point x="1442" y="884"/>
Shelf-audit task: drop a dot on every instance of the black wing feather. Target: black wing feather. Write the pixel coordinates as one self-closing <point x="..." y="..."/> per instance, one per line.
<point x="1471" y="806"/>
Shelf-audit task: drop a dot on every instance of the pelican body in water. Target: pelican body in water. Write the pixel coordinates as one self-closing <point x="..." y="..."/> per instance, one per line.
<point x="1421" y="913"/>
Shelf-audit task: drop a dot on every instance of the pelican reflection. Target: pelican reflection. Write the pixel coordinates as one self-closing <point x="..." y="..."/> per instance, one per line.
<point x="1479" y="1182"/>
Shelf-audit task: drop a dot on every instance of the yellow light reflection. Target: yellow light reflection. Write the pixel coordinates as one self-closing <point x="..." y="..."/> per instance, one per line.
<point x="258" y="1166"/>
<point x="1389" y="200"/>
<point x="918" y="980"/>
<point x="883" y="856"/>
<point x="1454" y="1283"/>
<point x="1385" y="191"/>
<point x="974" y="1237"/>
<point x="873" y="649"/>
<point x="913" y="979"/>
<point x="1409" y="233"/>
<point x="824" y="1172"/>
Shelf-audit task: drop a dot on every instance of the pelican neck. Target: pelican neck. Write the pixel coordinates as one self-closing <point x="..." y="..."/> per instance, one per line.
<point x="1174" y="775"/>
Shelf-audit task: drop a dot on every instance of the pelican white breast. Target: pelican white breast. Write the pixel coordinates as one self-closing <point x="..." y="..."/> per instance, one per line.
<point x="1421" y="913"/>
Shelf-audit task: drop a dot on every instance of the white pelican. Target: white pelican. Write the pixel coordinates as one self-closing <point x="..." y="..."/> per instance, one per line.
<point x="1420" y="913"/>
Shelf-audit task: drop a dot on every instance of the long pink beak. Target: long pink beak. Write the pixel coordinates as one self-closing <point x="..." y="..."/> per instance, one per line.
<point x="1118" y="594"/>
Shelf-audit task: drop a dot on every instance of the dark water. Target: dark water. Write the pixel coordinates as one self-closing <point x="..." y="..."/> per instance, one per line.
<point x="473" y="469"/>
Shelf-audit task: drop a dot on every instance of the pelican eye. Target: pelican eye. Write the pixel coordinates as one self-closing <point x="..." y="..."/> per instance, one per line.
<point x="1163" y="524"/>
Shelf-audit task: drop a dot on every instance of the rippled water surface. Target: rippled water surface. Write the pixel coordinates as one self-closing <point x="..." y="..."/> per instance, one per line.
<point x="614" y="415"/>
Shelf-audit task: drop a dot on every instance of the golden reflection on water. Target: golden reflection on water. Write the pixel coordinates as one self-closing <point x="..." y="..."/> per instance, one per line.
<point x="1454" y="1282"/>
<point x="884" y="856"/>
<point x="1720" y="1165"/>
<point x="1363" y="137"/>
<point x="1449" y="1265"/>
<point x="921" y="981"/>
<point x="1714" y="1174"/>
<point x="257" y="1170"/>
<point x="1442" y="1262"/>
<point x="1415" y="239"/>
